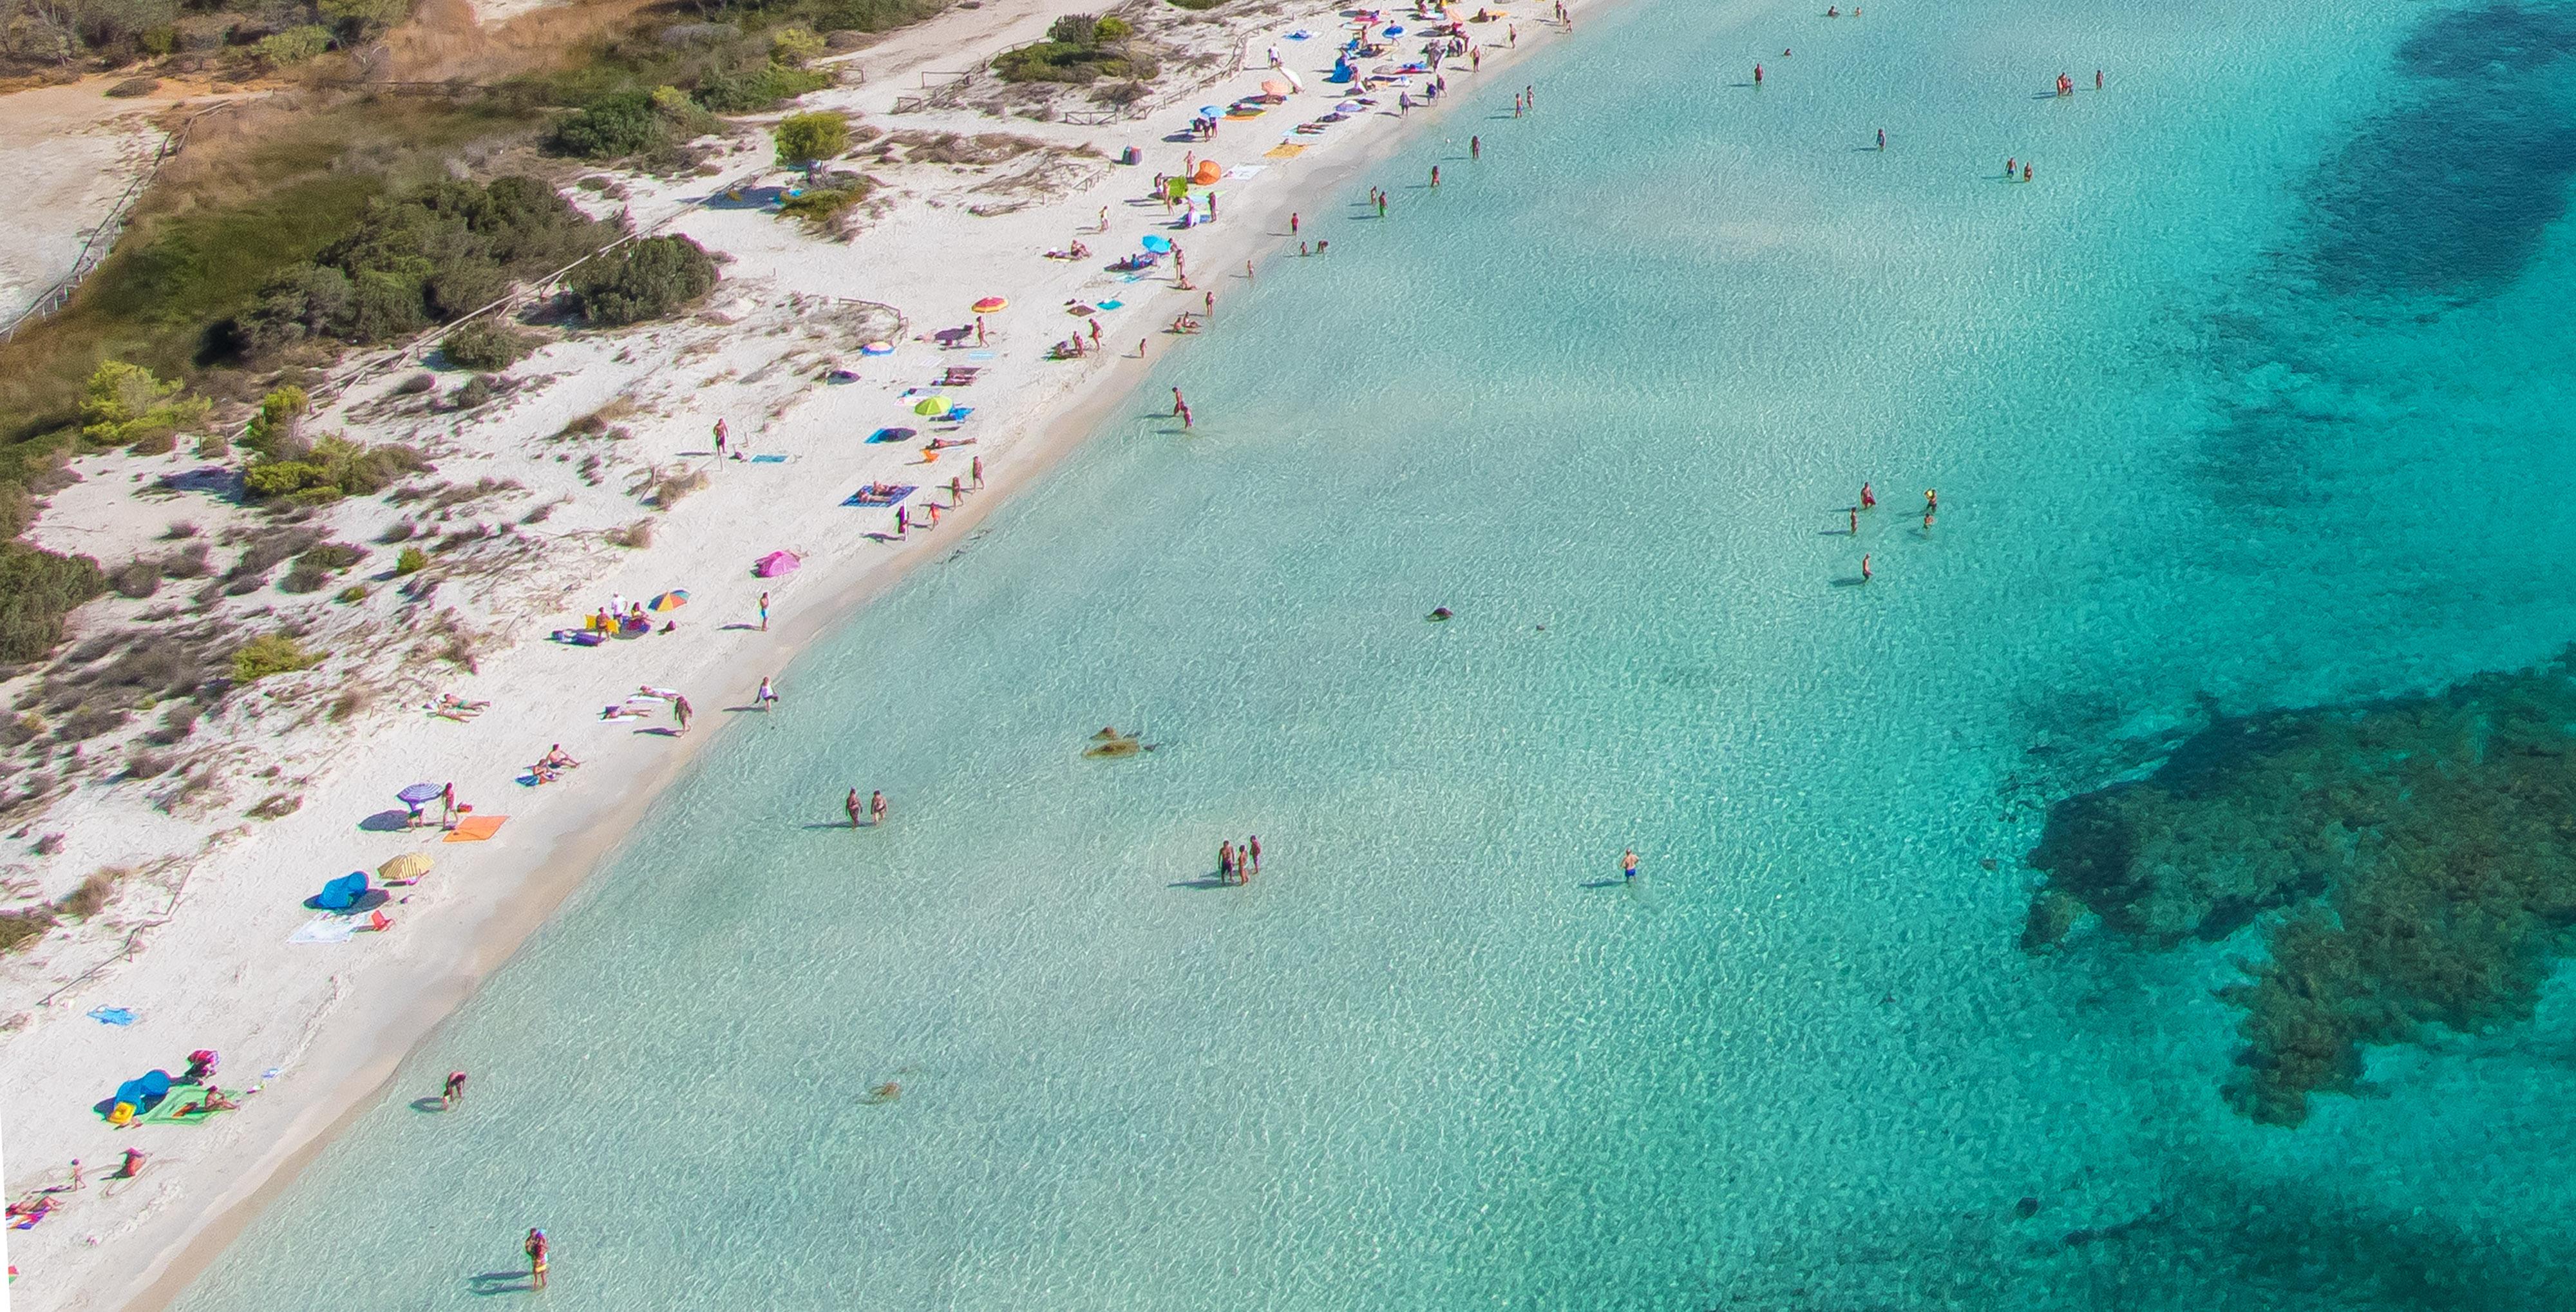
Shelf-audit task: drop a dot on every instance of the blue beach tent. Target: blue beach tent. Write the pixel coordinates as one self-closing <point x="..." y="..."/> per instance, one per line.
<point x="342" y="893"/>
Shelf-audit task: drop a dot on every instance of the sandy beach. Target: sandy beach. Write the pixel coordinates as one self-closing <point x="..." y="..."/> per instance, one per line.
<point x="194" y="951"/>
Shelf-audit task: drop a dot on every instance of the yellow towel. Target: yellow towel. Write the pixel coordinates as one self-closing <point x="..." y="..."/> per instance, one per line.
<point x="1283" y="151"/>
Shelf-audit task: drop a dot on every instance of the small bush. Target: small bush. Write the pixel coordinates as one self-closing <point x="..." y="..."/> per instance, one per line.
<point x="818" y="206"/>
<point x="188" y="562"/>
<point x="416" y="384"/>
<point x="758" y="89"/>
<point x="294" y="45"/>
<point x="124" y="405"/>
<point x="89" y="721"/>
<point x="179" y="531"/>
<point x="21" y="930"/>
<point x="270" y="653"/>
<point x="612" y="127"/>
<point x="637" y="534"/>
<point x="137" y="579"/>
<point x="176" y="723"/>
<point x="821" y="134"/>
<point x="274" y="431"/>
<point x="647" y="279"/>
<point x="49" y="844"/>
<point x="275" y="806"/>
<point x="148" y="765"/>
<point x="37" y="589"/>
<point x="352" y="594"/>
<point x="350" y="702"/>
<point x="412" y="561"/>
<point x="93" y="894"/>
<point x="486" y="343"/>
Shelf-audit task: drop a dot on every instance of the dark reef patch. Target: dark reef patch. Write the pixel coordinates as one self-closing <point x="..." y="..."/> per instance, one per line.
<point x="2451" y="193"/>
<point x="2420" y="854"/>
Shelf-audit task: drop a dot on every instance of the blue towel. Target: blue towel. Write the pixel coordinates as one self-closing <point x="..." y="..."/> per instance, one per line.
<point x="1112" y="305"/>
<point x="891" y="434"/>
<point x="111" y="1015"/>
<point x="769" y="460"/>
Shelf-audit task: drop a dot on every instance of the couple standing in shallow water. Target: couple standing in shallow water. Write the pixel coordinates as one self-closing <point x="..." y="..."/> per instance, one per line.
<point x="876" y="809"/>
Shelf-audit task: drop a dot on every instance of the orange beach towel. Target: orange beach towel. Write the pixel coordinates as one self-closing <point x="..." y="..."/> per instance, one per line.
<point x="474" y="829"/>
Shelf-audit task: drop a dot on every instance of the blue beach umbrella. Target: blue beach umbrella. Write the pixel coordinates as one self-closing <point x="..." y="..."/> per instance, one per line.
<point x="419" y="793"/>
<point x="1157" y="243"/>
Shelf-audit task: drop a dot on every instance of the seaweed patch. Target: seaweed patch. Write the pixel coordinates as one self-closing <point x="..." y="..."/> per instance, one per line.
<point x="2409" y="862"/>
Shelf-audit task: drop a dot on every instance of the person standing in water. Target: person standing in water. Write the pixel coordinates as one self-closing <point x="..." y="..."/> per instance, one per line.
<point x="1855" y="521"/>
<point x="767" y="698"/>
<point x="1252" y="851"/>
<point x="851" y="805"/>
<point x="1931" y="500"/>
<point x="1882" y="138"/>
<point x="1868" y="499"/>
<point x="1864" y="567"/>
<point x="1757" y="75"/>
<point x="1475" y="147"/>
<point x="1628" y="865"/>
<point x="1225" y="862"/>
<point x="453" y="1095"/>
<point x="536" y="1251"/>
<point x="876" y="809"/>
<point x="1435" y="177"/>
<point x="975" y="473"/>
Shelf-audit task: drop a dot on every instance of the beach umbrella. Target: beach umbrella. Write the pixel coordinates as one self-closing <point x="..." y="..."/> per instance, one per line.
<point x="419" y="793"/>
<point x="933" y="405"/>
<point x="1275" y="87"/>
<point x="877" y="348"/>
<point x="990" y="304"/>
<point x="1350" y="107"/>
<point x="668" y="601"/>
<point x="410" y="865"/>
<point x="1210" y="111"/>
<point x="1157" y="243"/>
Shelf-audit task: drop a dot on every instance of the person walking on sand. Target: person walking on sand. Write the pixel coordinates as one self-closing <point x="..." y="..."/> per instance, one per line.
<point x="764" y="612"/>
<point x="452" y="1096"/>
<point x="876" y="809"/>
<point x="680" y="711"/>
<point x="1628" y="866"/>
<point x="77" y="1184"/>
<point x="536" y="1251"/>
<point x="851" y="805"/>
<point x="975" y="473"/>
<point x="979" y="330"/>
<point x="720" y="439"/>
<point x="1140" y="348"/>
<point x="902" y="522"/>
<point x="767" y="698"/>
<point x="1104" y="218"/>
<point x="1292" y="223"/>
<point x="447" y="807"/>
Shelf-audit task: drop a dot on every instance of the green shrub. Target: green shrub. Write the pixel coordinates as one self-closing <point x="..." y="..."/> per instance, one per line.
<point x="645" y="280"/>
<point x="412" y="561"/>
<point x="270" y="653"/>
<point x="486" y="343"/>
<point x="355" y="592"/>
<point x="756" y="89"/>
<point x="280" y="478"/>
<point x="422" y="258"/>
<point x="612" y="127"/>
<point x="38" y="588"/>
<point x="272" y="432"/>
<point x="294" y="45"/>
<point x="818" y="205"/>
<point x="124" y="404"/>
<point x="21" y="930"/>
<point x="1079" y="48"/>
<point x="872" y="15"/>
<point x="820" y="134"/>
<point x="794" y="46"/>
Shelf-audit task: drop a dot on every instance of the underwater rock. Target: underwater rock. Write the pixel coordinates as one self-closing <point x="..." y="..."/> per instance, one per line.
<point x="2411" y="862"/>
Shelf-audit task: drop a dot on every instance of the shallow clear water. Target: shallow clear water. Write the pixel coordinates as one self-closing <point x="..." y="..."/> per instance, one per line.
<point x="2254" y="394"/>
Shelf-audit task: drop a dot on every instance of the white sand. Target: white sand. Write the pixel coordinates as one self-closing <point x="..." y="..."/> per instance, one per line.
<point x="71" y="151"/>
<point x="196" y="942"/>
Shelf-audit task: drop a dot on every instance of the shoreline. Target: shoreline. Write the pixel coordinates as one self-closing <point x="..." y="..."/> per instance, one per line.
<point x="358" y="1051"/>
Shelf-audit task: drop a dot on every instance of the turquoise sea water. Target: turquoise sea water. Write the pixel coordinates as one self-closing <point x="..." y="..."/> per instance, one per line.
<point x="2255" y="396"/>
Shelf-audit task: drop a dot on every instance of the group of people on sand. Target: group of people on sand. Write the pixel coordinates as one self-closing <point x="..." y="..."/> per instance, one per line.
<point x="1237" y="865"/>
